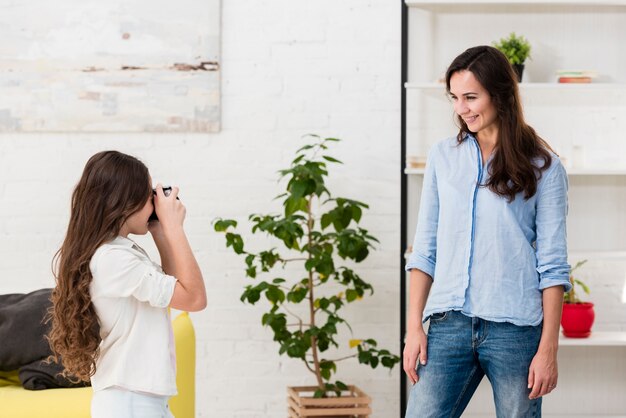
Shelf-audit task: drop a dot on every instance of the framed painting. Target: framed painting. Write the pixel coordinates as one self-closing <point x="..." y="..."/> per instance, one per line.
<point x="113" y="66"/>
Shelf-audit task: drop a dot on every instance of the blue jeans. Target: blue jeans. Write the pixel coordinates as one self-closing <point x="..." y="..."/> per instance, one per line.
<point x="461" y="350"/>
<point x="121" y="403"/>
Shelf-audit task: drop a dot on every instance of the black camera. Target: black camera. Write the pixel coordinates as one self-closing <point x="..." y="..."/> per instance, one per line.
<point x="166" y="191"/>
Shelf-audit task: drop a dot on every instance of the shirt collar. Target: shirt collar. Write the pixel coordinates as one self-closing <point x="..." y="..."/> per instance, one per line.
<point x="126" y="242"/>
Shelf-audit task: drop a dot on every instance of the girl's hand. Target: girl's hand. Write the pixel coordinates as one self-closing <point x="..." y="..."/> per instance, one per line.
<point x="170" y="211"/>
<point x="414" y="349"/>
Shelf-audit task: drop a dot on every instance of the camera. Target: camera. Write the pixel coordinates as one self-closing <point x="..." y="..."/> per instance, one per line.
<point x="166" y="191"/>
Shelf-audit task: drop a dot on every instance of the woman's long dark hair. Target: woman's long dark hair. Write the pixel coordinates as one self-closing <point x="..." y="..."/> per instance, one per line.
<point x="113" y="186"/>
<point x="514" y="166"/>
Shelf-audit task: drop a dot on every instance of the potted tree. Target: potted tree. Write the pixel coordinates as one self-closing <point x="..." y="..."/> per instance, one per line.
<point x="321" y="241"/>
<point x="578" y="316"/>
<point x="517" y="50"/>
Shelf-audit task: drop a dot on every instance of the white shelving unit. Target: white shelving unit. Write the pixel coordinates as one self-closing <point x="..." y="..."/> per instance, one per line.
<point x="525" y="3"/>
<point x="440" y="87"/>
<point x="570" y="172"/>
<point x="564" y="34"/>
<point x="596" y="339"/>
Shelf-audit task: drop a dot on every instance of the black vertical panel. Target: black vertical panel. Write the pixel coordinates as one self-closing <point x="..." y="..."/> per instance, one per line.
<point x="403" y="197"/>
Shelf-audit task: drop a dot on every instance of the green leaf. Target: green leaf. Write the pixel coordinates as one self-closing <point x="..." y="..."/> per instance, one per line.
<point x="389" y="362"/>
<point x="251" y="272"/>
<point x="374" y="362"/>
<point x="331" y="159"/>
<point x="222" y="225"/>
<point x="351" y="295"/>
<point x="298" y="159"/>
<point x="327" y="219"/>
<point x="356" y="213"/>
<point x="275" y="295"/>
<point x="365" y="357"/>
<point x="251" y="295"/>
<point x="297" y="295"/>
<point x="298" y="189"/>
<point x="235" y="241"/>
<point x="311" y="263"/>
<point x="304" y="148"/>
<point x="341" y="385"/>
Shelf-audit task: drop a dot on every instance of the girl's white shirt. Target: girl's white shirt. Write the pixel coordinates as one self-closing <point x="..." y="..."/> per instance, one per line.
<point x="131" y="294"/>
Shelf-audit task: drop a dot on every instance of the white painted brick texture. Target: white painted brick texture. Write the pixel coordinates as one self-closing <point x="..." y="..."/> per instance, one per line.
<point x="289" y="68"/>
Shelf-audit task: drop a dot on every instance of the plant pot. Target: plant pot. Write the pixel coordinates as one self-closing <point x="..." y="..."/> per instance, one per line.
<point x="519" y="70"/>
<point x="352" y="403"/>
<point x="577" y="319"/>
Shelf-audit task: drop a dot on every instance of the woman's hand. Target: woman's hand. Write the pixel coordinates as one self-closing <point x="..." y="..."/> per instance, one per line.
<point x="414" y="348"/>
<point x="543" y="373"/>
<point x="170" y="211"/>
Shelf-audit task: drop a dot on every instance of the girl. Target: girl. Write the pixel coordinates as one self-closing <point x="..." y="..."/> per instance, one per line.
<point x="490" y="253"/>
<point x="110" y="322"/>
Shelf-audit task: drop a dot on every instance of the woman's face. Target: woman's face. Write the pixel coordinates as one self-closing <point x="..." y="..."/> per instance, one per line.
<point x="473" y="103"/>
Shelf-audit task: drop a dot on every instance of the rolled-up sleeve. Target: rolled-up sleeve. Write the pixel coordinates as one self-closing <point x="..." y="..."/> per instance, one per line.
<point x="424" y="254"/>
<point x="551" y="243"/>
<point x="123" y="274"/>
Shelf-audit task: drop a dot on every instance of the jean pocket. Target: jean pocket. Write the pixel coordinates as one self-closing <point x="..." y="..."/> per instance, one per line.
<point x="439" y="316"/>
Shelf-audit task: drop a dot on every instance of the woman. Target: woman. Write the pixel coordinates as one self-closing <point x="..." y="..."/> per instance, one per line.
<point x="110" y="322"/>
<point x="489" y="262"/>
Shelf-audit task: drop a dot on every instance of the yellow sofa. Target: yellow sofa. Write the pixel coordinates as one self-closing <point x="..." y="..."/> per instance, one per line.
<point x="16" y="402"/>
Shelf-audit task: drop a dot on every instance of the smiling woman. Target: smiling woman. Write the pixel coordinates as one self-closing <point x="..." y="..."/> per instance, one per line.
<point x="489" y="261"/>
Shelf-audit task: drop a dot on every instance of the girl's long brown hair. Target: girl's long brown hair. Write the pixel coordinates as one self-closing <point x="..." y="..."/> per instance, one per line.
<point x="514" y="166"/>
<point x="113" y="186"/>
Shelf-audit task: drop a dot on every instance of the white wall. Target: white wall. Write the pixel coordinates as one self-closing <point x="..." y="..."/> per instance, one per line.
<point x="289" y="68"/>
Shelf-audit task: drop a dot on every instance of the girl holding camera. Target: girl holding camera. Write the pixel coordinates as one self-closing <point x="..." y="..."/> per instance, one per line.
<point x="110" y="322"/>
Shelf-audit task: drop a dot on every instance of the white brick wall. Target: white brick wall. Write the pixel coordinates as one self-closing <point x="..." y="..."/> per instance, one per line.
<point x="289" y="68"/>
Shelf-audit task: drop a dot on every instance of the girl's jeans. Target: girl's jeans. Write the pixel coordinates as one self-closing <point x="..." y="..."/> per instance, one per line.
<point x="120" y="403"/>
<point x="461" y="350"/>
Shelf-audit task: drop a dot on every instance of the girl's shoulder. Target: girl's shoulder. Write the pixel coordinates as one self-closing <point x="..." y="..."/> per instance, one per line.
<point x="118" y="251"/>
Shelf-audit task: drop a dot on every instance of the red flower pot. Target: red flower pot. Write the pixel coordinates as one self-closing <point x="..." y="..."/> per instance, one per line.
<point x="577" y="319"/>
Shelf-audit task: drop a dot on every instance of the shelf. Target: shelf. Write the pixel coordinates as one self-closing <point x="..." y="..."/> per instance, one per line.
<point x="553" y="416"/>
<point x="596" y="255"/>
<point x="594" y="172"/>
<point x="441" y="87"/>
<point x="414" y="171"/>
<point x="579" y="255"/>
<point x="443" y="3"/>
<point x="570" y="172"/>
<point x="596" y="339"/>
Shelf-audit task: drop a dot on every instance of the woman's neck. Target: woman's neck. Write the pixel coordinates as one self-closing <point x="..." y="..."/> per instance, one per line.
<point x="487" y="141"/>
<point x="487" y="138"/>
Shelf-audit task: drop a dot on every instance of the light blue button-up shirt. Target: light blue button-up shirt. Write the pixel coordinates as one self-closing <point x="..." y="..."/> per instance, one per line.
<point x="488" y="258"/>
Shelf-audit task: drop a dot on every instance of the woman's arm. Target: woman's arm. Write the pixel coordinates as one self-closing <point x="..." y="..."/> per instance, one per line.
<point x="553" y="272"/>
<point x="543" y="373"/>
<point x="416" y="342"/>
<point x="421" y="264"/>
<point x="177" y="258"/>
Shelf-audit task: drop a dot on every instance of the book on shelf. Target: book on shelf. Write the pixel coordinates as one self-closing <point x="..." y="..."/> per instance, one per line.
<point x="579" y="80"/>
<point x="575" y="76"/>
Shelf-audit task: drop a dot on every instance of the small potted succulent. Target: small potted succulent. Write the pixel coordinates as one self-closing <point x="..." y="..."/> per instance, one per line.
<point x="578" y="316"/>
<point x="517" y="50"/>
<point x="319" y="237"/>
